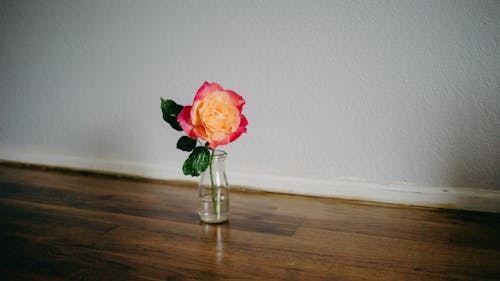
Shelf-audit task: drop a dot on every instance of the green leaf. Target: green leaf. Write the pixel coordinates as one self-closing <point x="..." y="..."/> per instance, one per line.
<point x="186" y="143"/>
<point x="197" y="162"/>
<point x="170" y="110"/>
<point x="187" y="167"/>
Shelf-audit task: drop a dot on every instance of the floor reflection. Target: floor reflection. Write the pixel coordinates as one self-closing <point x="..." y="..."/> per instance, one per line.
<point x="214" y="237"/>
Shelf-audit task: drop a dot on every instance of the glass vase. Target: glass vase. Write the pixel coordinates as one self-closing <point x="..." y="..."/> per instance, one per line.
<point x="213" y="190"/>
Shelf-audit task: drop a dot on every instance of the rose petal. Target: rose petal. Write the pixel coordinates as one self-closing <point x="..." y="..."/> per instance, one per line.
<point x="199" y="131"/>
<point x="184" y="119"/>
<point x="213" y="144"/>
<point x="236" y="99"/>
<point x="194" y="114"/>
<point x="241" y="129"/>
<point x="231" y="137"/>
<point x="206" y="89"/>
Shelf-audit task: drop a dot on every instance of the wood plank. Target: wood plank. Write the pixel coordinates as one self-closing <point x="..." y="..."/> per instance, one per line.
<point x="59" y="226"/>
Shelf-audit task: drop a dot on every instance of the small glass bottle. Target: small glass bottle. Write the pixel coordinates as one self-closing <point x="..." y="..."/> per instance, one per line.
<point x="213" y="190"/>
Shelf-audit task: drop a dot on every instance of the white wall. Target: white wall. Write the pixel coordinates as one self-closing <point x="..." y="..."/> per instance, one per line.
<point x="371" y="91"/>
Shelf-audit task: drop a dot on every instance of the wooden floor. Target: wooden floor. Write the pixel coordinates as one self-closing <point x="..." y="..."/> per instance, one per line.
<point x="68" y="226"/>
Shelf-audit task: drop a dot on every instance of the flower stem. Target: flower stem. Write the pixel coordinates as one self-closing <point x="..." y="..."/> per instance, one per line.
<point x="214" y="192"/>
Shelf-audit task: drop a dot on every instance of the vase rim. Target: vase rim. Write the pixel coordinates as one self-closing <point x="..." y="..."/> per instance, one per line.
<point x="219" y="153"/>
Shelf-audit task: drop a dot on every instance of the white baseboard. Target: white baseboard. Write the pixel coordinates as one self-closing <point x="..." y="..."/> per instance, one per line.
<point x="473" y="199"/>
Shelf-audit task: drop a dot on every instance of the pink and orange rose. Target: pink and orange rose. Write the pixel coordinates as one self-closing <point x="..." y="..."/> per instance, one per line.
<point x="215" y="115"/>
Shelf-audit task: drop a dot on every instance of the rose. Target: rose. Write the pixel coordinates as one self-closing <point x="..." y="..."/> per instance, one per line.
<point x="214" y="116"/>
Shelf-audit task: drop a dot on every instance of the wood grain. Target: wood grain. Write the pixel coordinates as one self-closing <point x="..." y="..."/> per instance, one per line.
<point x="67" y="226"/>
